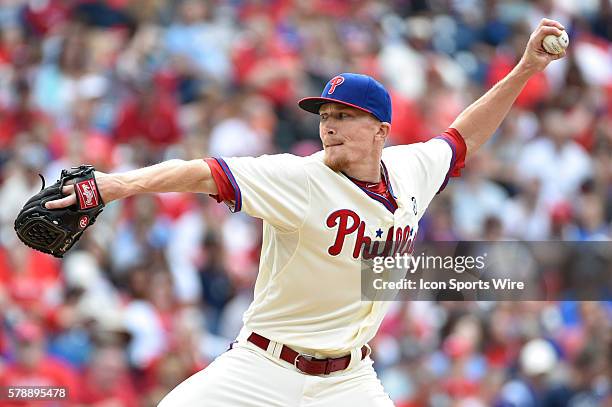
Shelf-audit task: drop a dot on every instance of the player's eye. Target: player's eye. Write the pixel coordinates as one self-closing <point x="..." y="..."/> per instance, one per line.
<point x="343" y="115"/>
<point x="323" y="116"/>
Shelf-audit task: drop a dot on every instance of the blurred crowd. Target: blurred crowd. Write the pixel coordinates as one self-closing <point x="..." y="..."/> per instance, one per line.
<point x="156" y="289"/>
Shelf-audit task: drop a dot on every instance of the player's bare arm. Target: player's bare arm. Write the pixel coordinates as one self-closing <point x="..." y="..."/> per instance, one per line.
<point x="480" y="120"/>
<point x="168" y="176"/>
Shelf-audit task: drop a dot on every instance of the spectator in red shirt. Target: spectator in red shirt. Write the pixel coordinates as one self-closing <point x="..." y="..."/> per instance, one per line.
<point x="47" y="17"/>
<point x="107" y="381"/>
<point x="21" y="117"/>
<point x="33" y="368"/>
<point x="536" y="91"/>
<point x="266" y="63"/>
<point x="151" y="116"/>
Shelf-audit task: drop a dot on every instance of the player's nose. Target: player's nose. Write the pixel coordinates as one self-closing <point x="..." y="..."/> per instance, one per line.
<point x="330" y="131"/>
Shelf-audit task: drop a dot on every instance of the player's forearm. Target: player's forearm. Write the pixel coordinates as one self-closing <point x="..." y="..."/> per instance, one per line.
<point x="168" y="176"/>
<point x="480" y="120"/>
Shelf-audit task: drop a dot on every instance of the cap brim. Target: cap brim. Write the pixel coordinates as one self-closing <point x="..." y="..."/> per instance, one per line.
<point x="312" y="104"/>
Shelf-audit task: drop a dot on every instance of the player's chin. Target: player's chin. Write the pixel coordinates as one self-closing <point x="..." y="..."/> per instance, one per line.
<point x="334" y="159"/>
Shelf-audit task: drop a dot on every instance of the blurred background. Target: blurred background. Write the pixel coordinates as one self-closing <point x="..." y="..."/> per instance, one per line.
<point x="156" y="289"/>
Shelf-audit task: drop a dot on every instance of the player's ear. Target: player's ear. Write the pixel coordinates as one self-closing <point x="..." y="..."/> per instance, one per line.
<point x="383" y="130"/>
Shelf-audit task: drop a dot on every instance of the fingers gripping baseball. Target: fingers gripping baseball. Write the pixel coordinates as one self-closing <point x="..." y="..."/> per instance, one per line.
<point x="535" y="56"/>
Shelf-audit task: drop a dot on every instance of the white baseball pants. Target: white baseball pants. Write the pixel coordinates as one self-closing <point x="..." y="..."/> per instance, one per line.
<point x="247" y="376"/>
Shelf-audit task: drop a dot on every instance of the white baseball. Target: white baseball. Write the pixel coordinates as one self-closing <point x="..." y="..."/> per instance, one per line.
<point x="556" y="45"/>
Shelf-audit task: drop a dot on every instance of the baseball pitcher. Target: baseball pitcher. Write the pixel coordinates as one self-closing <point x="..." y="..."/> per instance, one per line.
<point x="305" y="336"/>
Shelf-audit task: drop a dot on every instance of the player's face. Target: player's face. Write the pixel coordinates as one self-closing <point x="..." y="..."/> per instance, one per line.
<point x="349" y="136"/>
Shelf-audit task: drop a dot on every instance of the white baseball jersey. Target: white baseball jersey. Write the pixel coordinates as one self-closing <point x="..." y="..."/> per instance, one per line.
<point x="315" y="224"/>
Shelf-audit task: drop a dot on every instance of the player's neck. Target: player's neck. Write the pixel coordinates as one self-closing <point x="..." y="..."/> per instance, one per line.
<point x="366" y="172"/>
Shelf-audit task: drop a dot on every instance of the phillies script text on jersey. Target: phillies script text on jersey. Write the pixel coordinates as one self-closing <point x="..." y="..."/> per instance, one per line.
<point x="399" y="241"/>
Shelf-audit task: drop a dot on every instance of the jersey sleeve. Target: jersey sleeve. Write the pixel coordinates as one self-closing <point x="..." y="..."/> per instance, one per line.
<point x="271" y="187"/>
<point x="457" y="144"/>
<point x="428" y="165"/>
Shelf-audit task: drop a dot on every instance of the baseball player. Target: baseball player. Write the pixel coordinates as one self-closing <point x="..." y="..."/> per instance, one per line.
<point x="305" y="335"/>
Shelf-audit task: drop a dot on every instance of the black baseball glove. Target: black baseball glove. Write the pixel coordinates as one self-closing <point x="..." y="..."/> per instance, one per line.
<point x="54" y="231"/>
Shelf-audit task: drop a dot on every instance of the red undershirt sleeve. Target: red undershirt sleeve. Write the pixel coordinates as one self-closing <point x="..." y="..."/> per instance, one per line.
<point x="457" y="144"/>
<point x="226" y="192"/>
